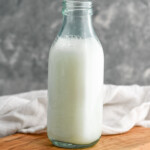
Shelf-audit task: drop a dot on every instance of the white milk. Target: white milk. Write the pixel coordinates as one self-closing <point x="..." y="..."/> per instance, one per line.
<point x="75" y="91"/>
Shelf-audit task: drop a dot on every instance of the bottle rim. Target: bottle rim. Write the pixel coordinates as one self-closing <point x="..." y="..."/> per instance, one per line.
<point x="76" y="5"/>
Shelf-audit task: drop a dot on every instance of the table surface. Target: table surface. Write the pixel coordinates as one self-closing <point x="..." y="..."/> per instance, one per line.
<point x="136" y="139"/>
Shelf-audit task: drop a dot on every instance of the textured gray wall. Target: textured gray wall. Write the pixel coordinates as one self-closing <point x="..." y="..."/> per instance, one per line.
<point x="28" y="27"/>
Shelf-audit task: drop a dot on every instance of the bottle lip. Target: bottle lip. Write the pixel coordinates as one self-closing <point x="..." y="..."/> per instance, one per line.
<point x="78" y="1"/>
<point x="77" y="5"/>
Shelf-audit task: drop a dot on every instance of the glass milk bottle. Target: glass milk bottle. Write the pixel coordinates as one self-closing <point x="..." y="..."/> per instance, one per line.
<point x="75" y="80"/>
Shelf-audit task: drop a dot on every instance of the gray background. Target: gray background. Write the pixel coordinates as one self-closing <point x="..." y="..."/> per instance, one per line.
<point x="28" y="28"/>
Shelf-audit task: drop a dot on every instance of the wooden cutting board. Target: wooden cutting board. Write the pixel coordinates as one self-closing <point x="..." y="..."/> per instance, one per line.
<point x="136" y="139"/>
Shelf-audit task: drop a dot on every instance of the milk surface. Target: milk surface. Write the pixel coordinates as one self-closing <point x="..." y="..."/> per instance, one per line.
<point x="75" y="90"/>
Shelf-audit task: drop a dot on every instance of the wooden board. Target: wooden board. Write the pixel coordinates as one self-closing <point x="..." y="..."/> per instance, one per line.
<point x="136" y="139"/>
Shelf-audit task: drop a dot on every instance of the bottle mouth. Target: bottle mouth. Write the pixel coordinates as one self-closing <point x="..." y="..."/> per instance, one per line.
<point x="76" y="5"/>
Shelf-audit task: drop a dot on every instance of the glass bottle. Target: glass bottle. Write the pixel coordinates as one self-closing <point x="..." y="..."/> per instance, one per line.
<point x="75" y="80"/>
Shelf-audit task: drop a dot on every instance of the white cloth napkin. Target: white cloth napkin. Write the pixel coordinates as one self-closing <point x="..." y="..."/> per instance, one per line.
<point x="124" y="108"/>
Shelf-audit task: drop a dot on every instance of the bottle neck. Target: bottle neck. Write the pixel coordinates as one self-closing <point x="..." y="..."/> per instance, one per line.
<point x="77" y="20"/>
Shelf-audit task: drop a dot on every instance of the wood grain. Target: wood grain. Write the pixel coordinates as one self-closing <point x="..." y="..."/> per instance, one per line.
<point x="136" y="139"/>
